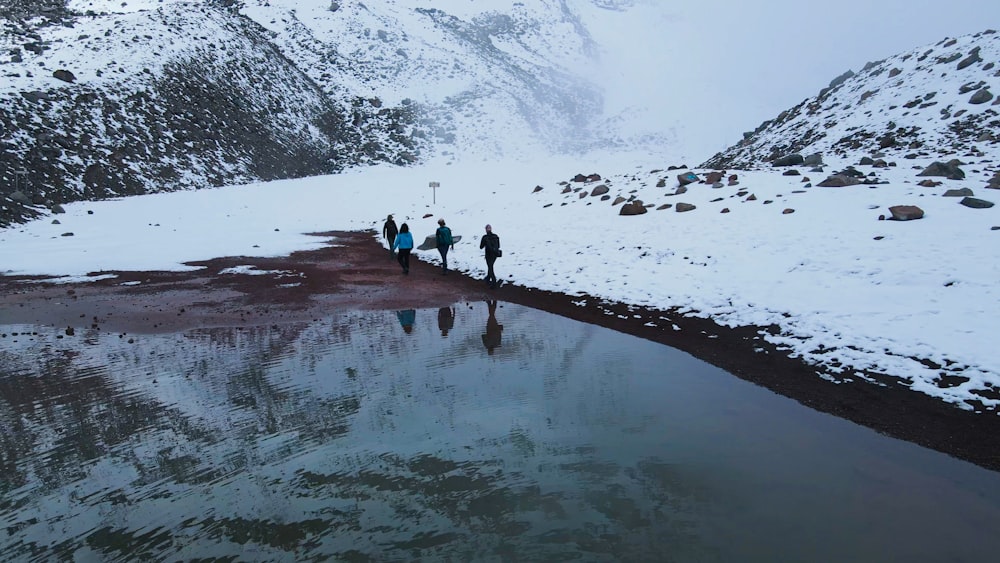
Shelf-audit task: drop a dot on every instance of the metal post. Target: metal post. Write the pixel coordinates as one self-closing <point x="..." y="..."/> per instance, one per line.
<point x="434" y="186"/>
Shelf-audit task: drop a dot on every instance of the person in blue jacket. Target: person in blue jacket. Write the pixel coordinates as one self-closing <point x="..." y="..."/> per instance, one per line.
<point x="403" y="242"/>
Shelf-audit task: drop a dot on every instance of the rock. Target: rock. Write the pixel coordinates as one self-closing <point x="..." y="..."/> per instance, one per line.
<point x="536" y="190"/>
<point x="972" y="59"/>
<point x="976" y="203"/>
<point x="789" y="160"/>
<point x="929" y="184"/>
<point x="633" y="208"/>
<point x="981" y="97"/>
<point x="600" y="190"/>
<point x="682" y="207"/>
<point x="787" y="211"/>
<point x="792" y="172"/>
<point x="815" y="159"/>
<point x="19" y="197"/>
<point x="687" y="178"/>
<point x="949" y="170"/>
<point x="617" y="200"/>
<point x="714" y="177"/>
<point x="964" y="192"/>
<point x="906" y="212"/>
<point x="839" y="181"/>
<point x="64" y="75"/>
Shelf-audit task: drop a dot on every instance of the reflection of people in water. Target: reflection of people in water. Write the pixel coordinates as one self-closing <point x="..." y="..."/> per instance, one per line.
<point x="491" y="338"/>
<point x="407" y="318"/>
<point x="446" y="319"/>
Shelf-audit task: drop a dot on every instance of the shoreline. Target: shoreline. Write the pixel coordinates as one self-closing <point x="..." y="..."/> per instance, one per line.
<point x="354" y="272"/>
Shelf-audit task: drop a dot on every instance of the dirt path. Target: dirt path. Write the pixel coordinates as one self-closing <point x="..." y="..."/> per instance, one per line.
<point x="356" y="273"/>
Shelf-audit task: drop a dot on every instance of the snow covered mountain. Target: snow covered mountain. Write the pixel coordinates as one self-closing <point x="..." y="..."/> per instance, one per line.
<point x="938" y="101"/>
<point x="102" y="98"/>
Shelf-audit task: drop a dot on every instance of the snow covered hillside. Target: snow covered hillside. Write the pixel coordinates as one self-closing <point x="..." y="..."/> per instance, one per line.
<point x="103" y="99"/>
<point x="934" y="101"/>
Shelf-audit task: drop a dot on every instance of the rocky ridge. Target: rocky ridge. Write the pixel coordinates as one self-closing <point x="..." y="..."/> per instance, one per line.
<point x="938" y="101"/>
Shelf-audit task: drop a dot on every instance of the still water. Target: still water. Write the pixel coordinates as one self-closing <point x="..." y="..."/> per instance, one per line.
<point x="471" y="433"/>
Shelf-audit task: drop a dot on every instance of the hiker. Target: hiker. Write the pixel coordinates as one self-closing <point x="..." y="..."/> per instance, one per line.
<point x="404" y="242"/>
<point x="491" y="242"/>
<point x="389" y="231"/>
<point x="494" y="330"/>
<point x="444" y="241"/>
<point x="446" y="319"/>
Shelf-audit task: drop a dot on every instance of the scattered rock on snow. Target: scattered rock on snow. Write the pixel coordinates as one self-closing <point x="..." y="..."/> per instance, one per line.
<point x="839" y="181"/>
<point x="963" y="192"/>
<point x="906" y="212"/>
<point x="789" y="160"/>
<point x="949" y="170"/>
<point x="687" y="178"/>
<point x="976" y="203"/>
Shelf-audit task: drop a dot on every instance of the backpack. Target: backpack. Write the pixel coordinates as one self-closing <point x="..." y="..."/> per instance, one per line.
<point x="444" y="236"/>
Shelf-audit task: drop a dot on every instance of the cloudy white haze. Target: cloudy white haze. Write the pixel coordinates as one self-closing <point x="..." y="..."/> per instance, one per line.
<point x="712" y="69"/>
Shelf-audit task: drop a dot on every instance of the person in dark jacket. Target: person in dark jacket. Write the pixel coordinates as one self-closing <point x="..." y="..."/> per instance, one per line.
<point x="404" y="242"/>
<point x="491" y="242"/>
<point x="444" y="241"/>
<point x="389" y="231"/>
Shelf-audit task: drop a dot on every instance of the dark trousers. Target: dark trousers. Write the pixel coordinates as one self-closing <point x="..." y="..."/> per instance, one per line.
<point x="404" y="259"/>
<point x="391" y="239"/>
<point x="491" y="277"/>
<point x="443" y="249"/>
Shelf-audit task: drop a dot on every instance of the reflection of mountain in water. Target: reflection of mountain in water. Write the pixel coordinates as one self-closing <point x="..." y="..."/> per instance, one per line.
<point x="328" y="437"/>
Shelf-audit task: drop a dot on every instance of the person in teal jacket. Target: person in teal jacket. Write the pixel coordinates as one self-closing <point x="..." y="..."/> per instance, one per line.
<point x="444" y="241"/>
<point x="403" y="242"/>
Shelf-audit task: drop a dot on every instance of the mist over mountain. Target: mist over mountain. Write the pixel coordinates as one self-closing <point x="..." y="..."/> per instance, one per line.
<point x="102" y="98"/>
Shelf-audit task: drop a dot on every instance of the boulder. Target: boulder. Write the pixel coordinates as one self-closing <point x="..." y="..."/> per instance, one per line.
<point x="600" y="190"/>
<point x="682" y="207"/>
<point x="906" y="212"/>
<point x="839" y="181"/>
<point x="64" y="75"/>
<point x="633" y="208"/>
<point x="949" y="170"/>
<point x="976" y="203"/>
<point x="981" y="97"/>
<point x="964" y="192"/>
<point x="687" y="178"/>
<point x="789" y="160"/>
<point x="815" y="159"/>
<point x="713" y="177"/>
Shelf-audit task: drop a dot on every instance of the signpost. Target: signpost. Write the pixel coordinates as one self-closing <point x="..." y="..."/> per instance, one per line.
<point x="434" y="186"/>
